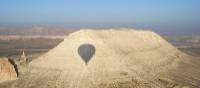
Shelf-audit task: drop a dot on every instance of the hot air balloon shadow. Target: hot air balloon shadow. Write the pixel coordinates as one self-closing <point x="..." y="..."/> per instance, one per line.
<point x="86" y="52"/>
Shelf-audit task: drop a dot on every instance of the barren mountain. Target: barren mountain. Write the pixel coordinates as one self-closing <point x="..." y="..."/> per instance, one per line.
<point x="124" y="58"/>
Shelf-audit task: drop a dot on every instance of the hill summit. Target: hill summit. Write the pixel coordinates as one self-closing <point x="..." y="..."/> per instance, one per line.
<point x="116" y="46"/>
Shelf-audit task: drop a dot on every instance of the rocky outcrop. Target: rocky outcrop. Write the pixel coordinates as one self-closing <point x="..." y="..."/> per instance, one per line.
<point x="7" y="70"/>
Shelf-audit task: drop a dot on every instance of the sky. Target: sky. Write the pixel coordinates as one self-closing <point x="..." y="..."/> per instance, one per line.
<point x="170" y="16"/>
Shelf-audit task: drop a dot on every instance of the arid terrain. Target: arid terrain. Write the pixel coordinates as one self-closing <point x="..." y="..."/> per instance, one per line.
<point x="42" y="47"/>
<point x="14" y="45"/>
<point x="188" y="44"/>
<point x="99" y="44"/>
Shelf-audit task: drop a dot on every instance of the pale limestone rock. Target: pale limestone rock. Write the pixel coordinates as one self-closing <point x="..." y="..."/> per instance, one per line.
<point x="7" y="70"/>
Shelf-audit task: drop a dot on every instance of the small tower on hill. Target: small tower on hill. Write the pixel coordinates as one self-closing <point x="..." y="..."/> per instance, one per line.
<point x="23" y="58"/>
<point x="22" y="67"/>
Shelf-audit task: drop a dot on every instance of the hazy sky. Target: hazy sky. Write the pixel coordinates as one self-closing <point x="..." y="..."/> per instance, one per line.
<point x="160" y="15"/>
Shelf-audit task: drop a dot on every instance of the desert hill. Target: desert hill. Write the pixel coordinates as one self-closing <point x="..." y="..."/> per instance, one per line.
<point x="123" y="58"/>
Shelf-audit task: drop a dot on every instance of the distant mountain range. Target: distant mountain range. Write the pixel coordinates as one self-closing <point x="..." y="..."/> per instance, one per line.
<point x="61" y="31"/>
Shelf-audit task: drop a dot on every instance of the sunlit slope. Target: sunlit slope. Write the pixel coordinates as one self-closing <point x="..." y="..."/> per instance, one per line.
<point x="124" y="58"/>
<point x="7" y="70"/>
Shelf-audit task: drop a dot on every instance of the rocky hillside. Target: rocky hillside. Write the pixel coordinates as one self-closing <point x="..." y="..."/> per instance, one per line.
<point x="7" y="70"/>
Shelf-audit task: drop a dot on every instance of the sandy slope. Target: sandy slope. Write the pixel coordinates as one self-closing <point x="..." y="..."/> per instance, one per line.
<point x="123" y="59"/>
